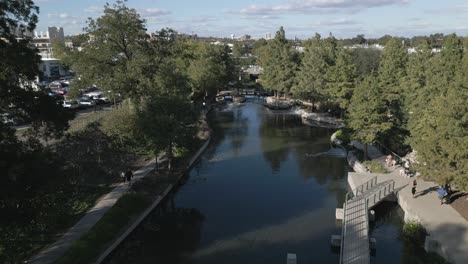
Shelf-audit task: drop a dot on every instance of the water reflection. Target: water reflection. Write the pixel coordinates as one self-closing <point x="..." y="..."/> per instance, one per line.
<point x="170" y="235"/>
<point x="260" y="192"/>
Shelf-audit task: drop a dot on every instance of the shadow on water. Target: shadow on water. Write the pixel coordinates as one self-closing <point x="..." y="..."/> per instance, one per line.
<point x="266" y="186"/>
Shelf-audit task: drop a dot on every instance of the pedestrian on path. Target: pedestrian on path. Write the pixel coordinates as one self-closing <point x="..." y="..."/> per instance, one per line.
<point x="388" y="160"/>
<point x="442" y="193"/>
<point x="413" y="190"/>
<point x="129" y="176"/>
<point x="122" y="175"/>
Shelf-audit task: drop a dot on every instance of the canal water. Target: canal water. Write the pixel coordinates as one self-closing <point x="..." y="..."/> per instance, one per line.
<point x="267" y="186"/>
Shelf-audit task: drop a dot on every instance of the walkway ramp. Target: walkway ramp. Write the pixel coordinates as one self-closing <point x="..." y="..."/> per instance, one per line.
<point x="355" y="230"/>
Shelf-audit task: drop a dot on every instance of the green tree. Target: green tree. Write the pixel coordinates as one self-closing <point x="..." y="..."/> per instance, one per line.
<point x="368" y="116"/>
<point x="438" y="118"/>
<point x="210" y="69"/>
<point x="341" y="79"/>
<point x="279" y="64"/>
<point x="391" y="73"/>
<point x="366" y="61"/>
<point x="111" y="54"/>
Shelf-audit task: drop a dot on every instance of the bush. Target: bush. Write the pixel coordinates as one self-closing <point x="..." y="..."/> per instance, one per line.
<point x="415" y="232"/>
<point x="374" y="166"/>
<point x="343" y="135"/>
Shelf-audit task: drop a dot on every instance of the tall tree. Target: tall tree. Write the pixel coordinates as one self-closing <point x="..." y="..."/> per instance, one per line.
<point x="368" y="116"/>
<point x="438" y="119"/>
<point x="167" y="117"/>
<point x="279" y="64"/>
<point x="210" y="69"/>
<point x="311" y="77"/>
<point x="391" y="73"/>
<point x="111" y="51"/>
<point x="341" y="79"/>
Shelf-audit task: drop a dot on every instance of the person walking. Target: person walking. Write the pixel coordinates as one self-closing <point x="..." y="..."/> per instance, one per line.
<point x="413" y="190"/>
<point x="442" y="193"/>
<point x="129" y="176"/>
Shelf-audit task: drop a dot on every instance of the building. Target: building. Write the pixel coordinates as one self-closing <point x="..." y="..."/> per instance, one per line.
<point x="267" y="35"/>
<point x="44" y="41"/>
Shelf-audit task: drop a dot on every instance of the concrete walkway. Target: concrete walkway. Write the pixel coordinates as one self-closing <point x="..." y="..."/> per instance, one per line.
<point x="448" y="230"/>
<point x="53" y="252"/>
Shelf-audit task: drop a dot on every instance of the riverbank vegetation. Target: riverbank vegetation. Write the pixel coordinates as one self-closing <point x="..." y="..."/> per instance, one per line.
<point x="88" y="247"/>
<point x="394" y="98"/>
<point x="52" y="175"/>
<point x="414" y="236"/>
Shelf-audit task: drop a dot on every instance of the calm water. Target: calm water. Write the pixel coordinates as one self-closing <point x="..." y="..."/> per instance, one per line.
<point x="267" y="185"/>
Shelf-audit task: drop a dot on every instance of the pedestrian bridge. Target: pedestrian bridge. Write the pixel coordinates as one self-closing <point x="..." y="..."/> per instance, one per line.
<point x="355" y="243"/>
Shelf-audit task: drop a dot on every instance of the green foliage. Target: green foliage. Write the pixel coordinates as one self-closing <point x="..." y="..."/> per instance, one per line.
<point x="374" y="166"/>
<point x="343" y="135"/>
<point x="210" y="69"/>
<point x="41" y="217"/>
<point x="438" y="117"/>
<point x="366" y="61"/>
<point x="341" y="79"/>
<point x="108" y="60"/>
<point x="88" y="247"/>
<point x="279" y="64"/>
<point x="415" y="232"/>
<point x="368" y="116"/>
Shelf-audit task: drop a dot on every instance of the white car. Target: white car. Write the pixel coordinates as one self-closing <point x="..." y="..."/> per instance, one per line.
<point x="71" y="104"/>
<point x="86" y="102"/>
<point x="98" y="97"/>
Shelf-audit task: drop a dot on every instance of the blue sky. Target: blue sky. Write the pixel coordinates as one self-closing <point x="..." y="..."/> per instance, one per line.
<point x="300" y="18"/>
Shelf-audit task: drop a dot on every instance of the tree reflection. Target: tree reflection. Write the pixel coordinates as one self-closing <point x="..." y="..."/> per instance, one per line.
<point x="275" y="132"/>
<point x="168" y="237"/>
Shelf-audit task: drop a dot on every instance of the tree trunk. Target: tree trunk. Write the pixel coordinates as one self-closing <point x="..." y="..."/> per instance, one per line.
<point x="365" y="152"/>
<point x="169" y="155"/>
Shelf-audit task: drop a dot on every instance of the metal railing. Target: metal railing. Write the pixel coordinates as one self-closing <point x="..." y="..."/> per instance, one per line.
<point x="376" y="197"/>
<point x="361" y="188"/>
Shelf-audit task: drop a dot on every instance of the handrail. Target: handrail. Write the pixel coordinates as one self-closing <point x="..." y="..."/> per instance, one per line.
<point x="343" y="229"/>
<point x="369" y="184"/>
<point x="367" y="220"/>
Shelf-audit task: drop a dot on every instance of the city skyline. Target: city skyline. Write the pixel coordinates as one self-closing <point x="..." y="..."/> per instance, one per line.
<point x="343" y="18"/>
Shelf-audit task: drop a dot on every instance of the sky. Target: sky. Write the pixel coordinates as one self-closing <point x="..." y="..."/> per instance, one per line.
<point x="300" y="18"/>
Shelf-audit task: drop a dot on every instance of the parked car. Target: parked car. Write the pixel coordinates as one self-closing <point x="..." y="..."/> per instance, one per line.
<point x="71" y="104"/>
<point x="98" y="97"/>
<point x="86" y="102"/>
<point x="62" y="91"/>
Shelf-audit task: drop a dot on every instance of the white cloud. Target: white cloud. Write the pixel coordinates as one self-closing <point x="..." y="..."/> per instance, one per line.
<point x="94" y="9"/>
<point x="62" y="15"/>
<point x="335" y="22"/>
<point x="152" y="12"/>
<point x="315" y="6"/>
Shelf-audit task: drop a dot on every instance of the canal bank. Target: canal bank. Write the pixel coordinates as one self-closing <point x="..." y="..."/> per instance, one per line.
<point x="447" y="229"/>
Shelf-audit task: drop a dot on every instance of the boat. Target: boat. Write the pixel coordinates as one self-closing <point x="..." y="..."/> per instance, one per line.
<point x="238" y="99"/>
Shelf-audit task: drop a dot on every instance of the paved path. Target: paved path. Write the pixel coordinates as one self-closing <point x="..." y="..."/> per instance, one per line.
<point x="53" y="252"/>
<point x="444" y="224"/>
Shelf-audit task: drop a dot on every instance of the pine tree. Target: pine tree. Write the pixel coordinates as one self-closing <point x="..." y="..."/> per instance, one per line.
<point x="391" y="73"/>
<point x="368" y="116"/>
<point x="278" y="62"/>
<point x="341" y="79"/>
<point x="311" y="82"/>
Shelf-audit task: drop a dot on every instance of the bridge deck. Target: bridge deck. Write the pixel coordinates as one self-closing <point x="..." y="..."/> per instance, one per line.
<point x="356" y="233"/>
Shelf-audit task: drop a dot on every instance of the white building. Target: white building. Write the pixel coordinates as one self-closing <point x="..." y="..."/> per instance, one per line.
<point x="44" y="41"/>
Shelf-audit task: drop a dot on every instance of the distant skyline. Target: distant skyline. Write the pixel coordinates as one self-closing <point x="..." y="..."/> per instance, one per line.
<point x="300" y="18"/>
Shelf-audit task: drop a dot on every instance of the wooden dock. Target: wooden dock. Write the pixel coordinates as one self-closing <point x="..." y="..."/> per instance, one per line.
<point x="355" y="241"/>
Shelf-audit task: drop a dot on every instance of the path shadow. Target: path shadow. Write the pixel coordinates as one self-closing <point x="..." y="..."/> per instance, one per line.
<point x="457" y="194"/>
<point x="428" y="190"/>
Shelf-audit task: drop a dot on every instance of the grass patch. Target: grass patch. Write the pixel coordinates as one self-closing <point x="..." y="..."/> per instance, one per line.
<point x="89" y="246"/>
<point x="375" y="166"/>
<point x="25" y="232"/>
